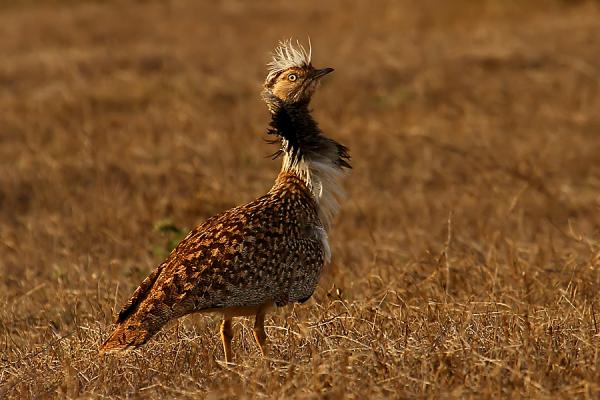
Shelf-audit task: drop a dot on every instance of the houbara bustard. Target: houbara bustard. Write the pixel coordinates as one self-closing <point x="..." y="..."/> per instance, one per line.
<point x="269" y="252"/>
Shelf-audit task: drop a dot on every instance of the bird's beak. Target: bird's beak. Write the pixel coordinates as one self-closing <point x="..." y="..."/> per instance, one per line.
<point x="319" y="73"/>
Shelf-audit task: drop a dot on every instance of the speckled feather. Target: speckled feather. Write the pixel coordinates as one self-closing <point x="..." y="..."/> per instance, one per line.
<point x="267" y="250"/>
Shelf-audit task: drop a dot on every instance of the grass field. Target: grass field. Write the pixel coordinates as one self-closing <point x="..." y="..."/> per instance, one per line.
<point x="467" y="255"/>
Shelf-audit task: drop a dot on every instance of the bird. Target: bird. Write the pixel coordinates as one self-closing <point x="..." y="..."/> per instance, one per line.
<point x="264" y="254"/>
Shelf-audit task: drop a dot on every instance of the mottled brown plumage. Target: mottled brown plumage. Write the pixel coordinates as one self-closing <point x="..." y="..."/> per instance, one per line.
<point x="268" y="252"/>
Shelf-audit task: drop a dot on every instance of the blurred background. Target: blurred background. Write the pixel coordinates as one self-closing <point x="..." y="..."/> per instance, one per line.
<point x="474" y="128"/>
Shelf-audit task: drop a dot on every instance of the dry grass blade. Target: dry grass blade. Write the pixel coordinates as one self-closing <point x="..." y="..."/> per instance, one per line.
<point x="466" y="259"/>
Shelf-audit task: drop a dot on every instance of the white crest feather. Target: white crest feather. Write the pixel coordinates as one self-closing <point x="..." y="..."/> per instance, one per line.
<point x="286" y="55"/>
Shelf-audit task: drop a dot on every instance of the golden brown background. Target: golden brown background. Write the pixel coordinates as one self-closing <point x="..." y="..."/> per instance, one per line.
<point x="466" y="258"/>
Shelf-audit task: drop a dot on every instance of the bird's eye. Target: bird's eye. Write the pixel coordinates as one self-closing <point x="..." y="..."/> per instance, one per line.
<point x="292" y="77"/>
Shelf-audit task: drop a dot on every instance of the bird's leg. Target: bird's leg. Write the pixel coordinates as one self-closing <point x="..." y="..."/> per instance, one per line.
<point x="259" y="330"/>
<point x="226" y="336"/>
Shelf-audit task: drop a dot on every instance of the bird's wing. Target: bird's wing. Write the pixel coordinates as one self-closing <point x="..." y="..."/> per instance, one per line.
<point x="229" y="256"/>
<point x="139" y="294"/>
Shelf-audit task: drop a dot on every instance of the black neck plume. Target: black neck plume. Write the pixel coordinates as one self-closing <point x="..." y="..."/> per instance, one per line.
<point x="300" y="137"/>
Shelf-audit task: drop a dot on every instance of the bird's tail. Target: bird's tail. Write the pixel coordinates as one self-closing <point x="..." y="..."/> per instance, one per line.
<point x="138" y="327"/>
<point x="126" y="337"/>
<point x="140" y="318"/>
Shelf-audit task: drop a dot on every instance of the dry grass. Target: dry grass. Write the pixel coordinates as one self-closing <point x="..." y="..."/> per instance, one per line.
<point x="467" y="256"/>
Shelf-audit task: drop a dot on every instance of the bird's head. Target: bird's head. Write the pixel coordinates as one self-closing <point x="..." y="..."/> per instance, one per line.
<point x="291" y="78"/>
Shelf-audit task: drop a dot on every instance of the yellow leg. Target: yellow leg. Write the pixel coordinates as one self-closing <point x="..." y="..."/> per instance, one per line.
<point x="226" y="336"/>
<point x="259" y="330"/>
